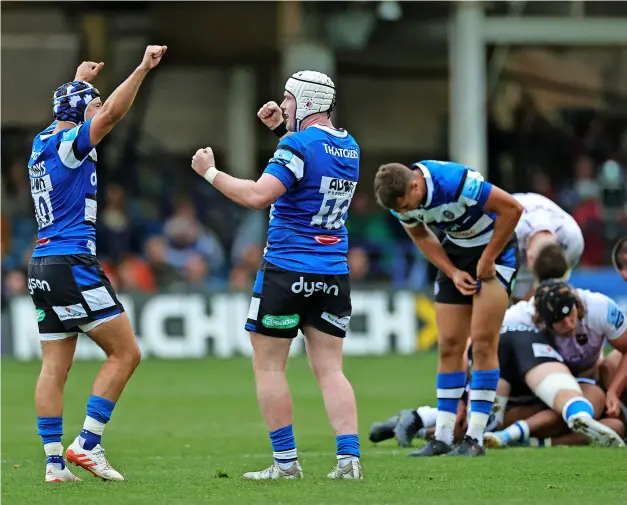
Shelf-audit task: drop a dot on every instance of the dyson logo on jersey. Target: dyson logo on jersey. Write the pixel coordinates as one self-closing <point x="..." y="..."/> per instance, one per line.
<point x="342" y="153"/>
<point x="34" y="284"/>
<point x="309" y="288"/>
<point x="327" y="239"/>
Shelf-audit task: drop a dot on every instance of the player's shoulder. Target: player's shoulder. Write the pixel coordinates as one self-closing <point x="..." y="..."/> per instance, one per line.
<point x="600" y="309"/>
<point x="520" y="313"/>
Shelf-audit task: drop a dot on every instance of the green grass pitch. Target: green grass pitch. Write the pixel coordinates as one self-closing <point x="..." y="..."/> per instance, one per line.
<point x="185" y="431"/>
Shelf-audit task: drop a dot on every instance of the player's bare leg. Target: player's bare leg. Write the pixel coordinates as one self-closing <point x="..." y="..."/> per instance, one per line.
<point x="489" y="306"/>
<point x="57" y="357"/>
<point x="453" y="322"/>
<point x="117" y="340"/>
<point x="325" y="357"/>
<point x="555" y="386"/>
<point x="273" y="394"/>
<point x="545" y="423"/>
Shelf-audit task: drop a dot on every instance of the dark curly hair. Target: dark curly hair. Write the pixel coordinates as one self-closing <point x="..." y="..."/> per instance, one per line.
<point x="548" y="298"/>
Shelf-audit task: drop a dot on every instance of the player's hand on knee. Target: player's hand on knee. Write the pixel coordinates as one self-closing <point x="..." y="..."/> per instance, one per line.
<point x="152" y="56"/>
<point x="486" y="269"/>
<point x="87" y="71"/>
<point x="464" y="283"/>
<point x="271" y="115"/>
<point x="203" y="160"/>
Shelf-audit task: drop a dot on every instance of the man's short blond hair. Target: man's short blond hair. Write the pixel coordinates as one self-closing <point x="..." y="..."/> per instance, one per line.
<point x="391" y="183"/>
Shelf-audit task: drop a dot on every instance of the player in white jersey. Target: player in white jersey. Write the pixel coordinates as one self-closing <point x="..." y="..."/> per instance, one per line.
<point x="543" y="223"/>
<point x="575" y="324"/>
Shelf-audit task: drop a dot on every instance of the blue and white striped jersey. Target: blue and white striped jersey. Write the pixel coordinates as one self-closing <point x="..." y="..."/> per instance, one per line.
<point x="63" y="183"/>
<point x="319" y="166"/>
<point x="453" y="203"/>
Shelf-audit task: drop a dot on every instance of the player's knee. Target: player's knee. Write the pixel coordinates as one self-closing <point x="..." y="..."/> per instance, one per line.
<point x="56" y="370"/>
<point x="128" y="356"/>
<point x="483" y="349"/>
<point x="451" y="348"/>
<point x="595" y="395"/>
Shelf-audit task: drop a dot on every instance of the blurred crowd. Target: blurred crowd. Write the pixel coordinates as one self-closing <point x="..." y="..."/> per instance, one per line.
<point x="160" y="232"/>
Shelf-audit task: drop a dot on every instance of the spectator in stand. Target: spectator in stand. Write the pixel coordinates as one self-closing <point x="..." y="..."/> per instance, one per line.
<point x="115" y="234"/>
<point x="186" y="237"/>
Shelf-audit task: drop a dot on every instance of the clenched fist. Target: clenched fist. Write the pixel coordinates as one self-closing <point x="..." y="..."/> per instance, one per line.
<point x="271" y="115"/>
<point x="87" y="71"/>
<point x="203" y="160"/>
<point x="153" y="56"/>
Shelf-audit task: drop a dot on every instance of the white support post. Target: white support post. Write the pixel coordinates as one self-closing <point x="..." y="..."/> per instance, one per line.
<point x="241" y="118"/>
<point x="467" y="109"/>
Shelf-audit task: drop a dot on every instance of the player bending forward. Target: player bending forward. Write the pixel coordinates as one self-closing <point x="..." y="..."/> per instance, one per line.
<point x="543" y="226"/>
<point x="477" y="263"/>
<point x="303" y="282"/>
<point x="69" y="288"/>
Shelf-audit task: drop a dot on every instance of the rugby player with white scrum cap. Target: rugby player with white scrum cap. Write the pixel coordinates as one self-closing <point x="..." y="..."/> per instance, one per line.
<point x="303" y="282"/>
<point x="543" y="229"/>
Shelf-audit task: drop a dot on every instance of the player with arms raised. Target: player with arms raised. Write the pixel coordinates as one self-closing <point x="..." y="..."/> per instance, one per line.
<point x="69" y="288"/>
<point x="477" y="264"/>
<point x="303" y="282"/>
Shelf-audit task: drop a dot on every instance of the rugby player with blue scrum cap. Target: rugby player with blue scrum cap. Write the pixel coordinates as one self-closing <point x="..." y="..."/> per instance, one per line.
<point x="303" y="282"/>
<point x="477" y="264"/>
<point x="69" y="288"/>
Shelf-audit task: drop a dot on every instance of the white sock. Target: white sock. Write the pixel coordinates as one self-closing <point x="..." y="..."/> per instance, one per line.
<point x="345" y="460"/>
<point x="518" y="431"/>
<point x="477" y="421"/>
<point x="53" y="449"/>
<point x="96" y="427"/>
<point x="286" y="466"/>
<point x="428" y="416"/>
<point x="500" y="403"/>
<point x="445" y="426"/>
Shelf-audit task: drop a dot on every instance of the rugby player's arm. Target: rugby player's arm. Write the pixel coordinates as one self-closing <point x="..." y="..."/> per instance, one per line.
<point x="431" y="247"/>
<point x="252" y="194"/>
<point x="508" y="211"/>
<point x="619" y="384"/>
<point x="116" y="106"/>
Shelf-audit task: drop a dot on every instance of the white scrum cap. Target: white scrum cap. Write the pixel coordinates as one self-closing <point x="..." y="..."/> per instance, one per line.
<point x="313" y="91"/>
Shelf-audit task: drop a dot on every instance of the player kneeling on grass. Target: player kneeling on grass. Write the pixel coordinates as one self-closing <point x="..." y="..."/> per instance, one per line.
<point x="575" y="324"/>
<point x="69" y="288"/>
<point x="477" y="263"/>
<point x="303" y="282"/>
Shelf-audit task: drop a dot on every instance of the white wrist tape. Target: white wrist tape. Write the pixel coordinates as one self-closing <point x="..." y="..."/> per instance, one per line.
<point x="210" y="174"/>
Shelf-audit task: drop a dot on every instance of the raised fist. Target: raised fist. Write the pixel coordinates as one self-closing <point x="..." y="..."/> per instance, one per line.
<point x="153" y="56"/>
<point x="87" y="71"/>
<point x="203" y="160"/>
<point x="271" y="115"/>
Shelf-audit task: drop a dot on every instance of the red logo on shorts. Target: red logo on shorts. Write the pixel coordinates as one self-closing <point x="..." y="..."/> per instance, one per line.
<point x="43" y="241"/>
<point x="327" y="239"/>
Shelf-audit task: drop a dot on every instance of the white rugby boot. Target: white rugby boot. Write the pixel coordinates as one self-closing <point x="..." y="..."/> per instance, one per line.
<point x="494" y="440"/>
<point x="55" y="474"/>
<point x="595" y="431"/>
<point x="351" y="471"/>
<point x="275" y="472"/>
<point x="93" y="461"/>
